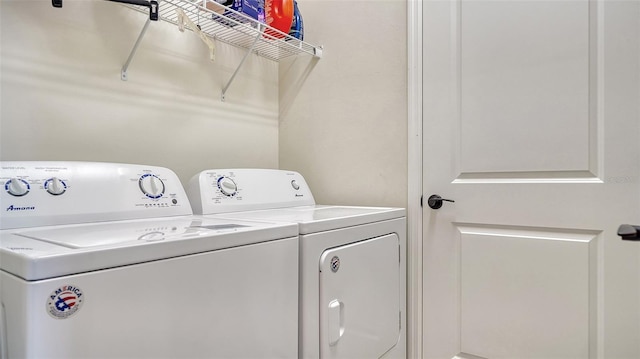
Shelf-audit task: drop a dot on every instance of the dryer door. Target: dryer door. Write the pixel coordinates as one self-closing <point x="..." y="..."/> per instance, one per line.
<point x="360" y="298"/>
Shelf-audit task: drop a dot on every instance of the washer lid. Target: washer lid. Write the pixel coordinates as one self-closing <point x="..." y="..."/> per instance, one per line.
<point x="319" y="218"/>
<point x="108" y="234"/>
<point x="48" y="252"/>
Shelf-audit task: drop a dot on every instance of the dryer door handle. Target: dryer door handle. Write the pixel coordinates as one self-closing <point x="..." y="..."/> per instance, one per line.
<point x="336" y="321"/>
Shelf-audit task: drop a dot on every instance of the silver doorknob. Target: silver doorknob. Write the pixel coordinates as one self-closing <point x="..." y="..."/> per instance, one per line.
<point x="435" y="201"/>
<point x="629" y="232"/>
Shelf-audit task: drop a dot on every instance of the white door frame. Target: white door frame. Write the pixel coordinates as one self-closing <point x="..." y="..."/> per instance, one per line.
<point x="414" y="176"/>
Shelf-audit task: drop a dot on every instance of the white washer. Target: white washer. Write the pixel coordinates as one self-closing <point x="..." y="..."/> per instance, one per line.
<point x="352" y="259"/>
<point x="103" y="260"/>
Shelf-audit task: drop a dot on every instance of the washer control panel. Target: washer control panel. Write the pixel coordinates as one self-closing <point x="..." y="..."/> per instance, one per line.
<point x="229" y="190"/>
<point x="227" y="186"/>
<point x="55" y="186"/>
<point x="151" y="185"/>
<point x="17" y="187"/>
<point x="50" y="193"/>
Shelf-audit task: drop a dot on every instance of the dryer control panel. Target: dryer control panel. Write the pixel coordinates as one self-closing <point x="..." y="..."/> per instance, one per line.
<point x="51" y="193"/>
<point x="231" y="190"/>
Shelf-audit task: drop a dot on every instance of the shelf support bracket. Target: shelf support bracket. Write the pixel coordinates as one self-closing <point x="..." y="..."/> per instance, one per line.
<point x="183" y="20"/>
<point x="249" y="51"/>
<point x="154" y="11"/>
<point x="123" y="72"/>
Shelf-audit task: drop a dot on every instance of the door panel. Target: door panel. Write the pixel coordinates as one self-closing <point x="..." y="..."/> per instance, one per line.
<point x="531" y="115"/>
<point x="523" y="61"/>
<point x="506" y="272"/>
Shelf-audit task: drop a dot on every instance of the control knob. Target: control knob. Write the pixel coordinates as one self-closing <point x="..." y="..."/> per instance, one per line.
<point x="227" y="186"/>
<point x="17" y="187"/>
<point x="55" y="186"/>
<point x="151" y="186"/>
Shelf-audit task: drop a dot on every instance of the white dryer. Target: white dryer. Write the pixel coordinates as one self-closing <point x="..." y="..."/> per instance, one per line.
<point x="102" y="260"/>
<point x="352" y="259"/>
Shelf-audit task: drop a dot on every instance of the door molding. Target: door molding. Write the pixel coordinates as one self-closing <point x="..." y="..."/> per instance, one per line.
<point x="414" y="176"/>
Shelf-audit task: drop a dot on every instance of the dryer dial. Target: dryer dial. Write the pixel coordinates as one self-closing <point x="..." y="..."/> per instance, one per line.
<point x="55" y="186"/>
<point x="151" y="185"/>
<point x="17" y="187"/>
<point x="227" y="186"/>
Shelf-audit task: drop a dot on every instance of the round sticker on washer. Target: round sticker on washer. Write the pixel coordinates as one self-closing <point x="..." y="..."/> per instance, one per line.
<point x="64" y="301"/>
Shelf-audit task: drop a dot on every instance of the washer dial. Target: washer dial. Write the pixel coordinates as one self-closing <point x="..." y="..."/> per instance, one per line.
<point x="55" y="186"/>
<point x="227" y="186"/>
<point x="17" y="187"/>
<point x="151" y="185"/>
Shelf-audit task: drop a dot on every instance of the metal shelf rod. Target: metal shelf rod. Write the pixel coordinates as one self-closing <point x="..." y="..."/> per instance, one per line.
<point x="249" y="50"/>
<point x="123" y="73"/>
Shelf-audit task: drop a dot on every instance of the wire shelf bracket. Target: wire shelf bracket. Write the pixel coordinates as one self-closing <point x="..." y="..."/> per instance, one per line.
<point x="226" y="87"/>
<point x="123" y="73"/>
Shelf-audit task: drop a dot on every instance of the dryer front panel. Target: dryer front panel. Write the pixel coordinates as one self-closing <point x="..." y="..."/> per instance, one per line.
<point x="360" y="298"/>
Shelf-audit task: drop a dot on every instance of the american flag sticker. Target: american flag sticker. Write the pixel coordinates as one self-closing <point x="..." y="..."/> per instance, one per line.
<point x="65" y="301"/>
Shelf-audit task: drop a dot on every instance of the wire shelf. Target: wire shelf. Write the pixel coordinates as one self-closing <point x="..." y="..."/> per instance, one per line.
<point x="234" y="28"/>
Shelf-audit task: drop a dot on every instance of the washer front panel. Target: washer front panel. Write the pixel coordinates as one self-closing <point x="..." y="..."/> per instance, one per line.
<point x="240" y="302"/>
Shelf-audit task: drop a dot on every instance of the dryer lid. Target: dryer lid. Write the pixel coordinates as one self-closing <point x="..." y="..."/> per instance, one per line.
<point x="319" y="218"/>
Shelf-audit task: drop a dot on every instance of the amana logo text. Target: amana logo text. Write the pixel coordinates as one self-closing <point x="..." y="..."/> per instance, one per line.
<point x="16" y="208"/>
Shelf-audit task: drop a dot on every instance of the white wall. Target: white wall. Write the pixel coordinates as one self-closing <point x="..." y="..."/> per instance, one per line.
<point x="343" y="119"/>
<point x="62" y="97"/>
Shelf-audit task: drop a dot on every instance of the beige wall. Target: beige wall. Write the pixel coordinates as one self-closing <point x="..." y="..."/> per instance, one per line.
<point x="343" y="119"/>
<point x="62" y="97"/>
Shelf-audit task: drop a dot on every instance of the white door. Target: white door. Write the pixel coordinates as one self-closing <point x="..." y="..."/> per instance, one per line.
<point x="531" y="124"/>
